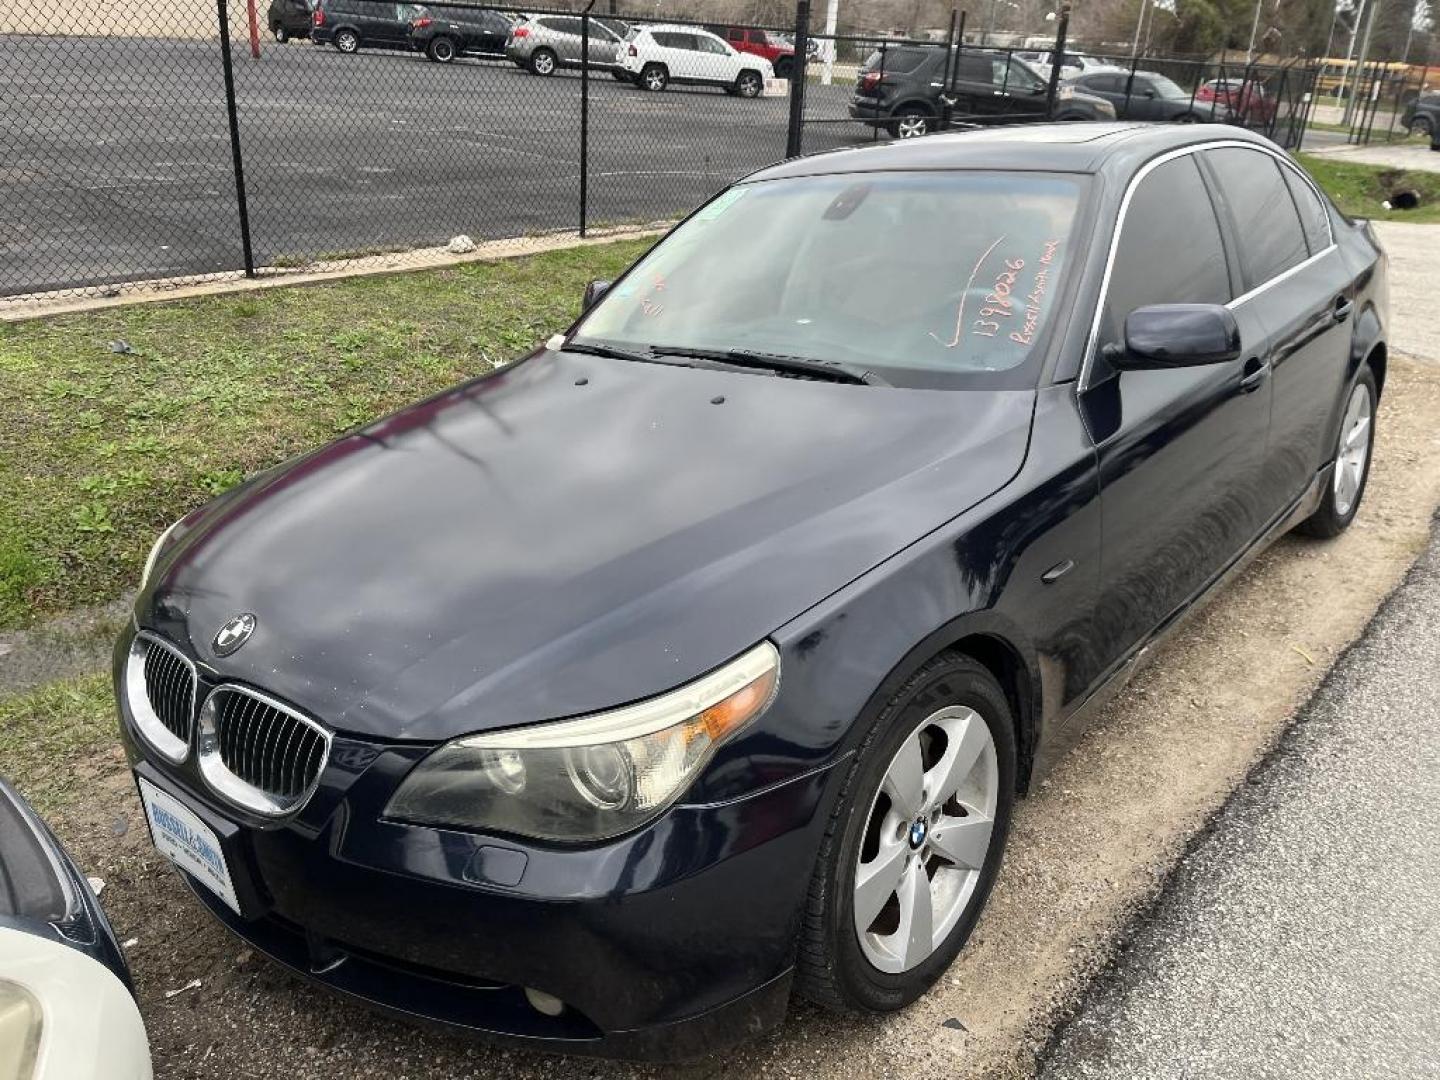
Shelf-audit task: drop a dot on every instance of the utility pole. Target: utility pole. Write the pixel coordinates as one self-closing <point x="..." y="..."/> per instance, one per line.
<point x="1135" y="45"/>
<point x="1360" y="63"/>
<point x="832" y="20"/>
<point x="1254" y="26"/>
<point x="1350" y="52"/>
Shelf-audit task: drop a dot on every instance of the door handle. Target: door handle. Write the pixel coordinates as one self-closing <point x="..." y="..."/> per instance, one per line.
<point x="1255" y="373"/>
<point x="1342" y="309"/>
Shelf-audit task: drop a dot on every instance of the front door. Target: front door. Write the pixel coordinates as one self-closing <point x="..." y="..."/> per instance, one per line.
<point x="1181" y="451"/>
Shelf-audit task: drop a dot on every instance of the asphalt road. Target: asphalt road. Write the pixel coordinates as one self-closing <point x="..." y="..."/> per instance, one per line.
<point x="1299" y="936"/>
<point x="115" y="158"/>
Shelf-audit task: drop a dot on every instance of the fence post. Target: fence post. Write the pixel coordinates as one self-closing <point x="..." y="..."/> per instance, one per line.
<point x="224" y="16"/>
<point x="947" y="107"/>
<point x="793" y="136"/>
<point x="1057" y="58"/>
<point x="585" y="116"/>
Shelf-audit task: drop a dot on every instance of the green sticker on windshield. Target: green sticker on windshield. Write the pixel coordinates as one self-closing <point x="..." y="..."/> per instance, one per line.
<point x="723" y="203"/>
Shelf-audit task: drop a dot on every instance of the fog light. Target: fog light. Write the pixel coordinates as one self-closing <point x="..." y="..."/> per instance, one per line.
<point x="545" y="1003"/>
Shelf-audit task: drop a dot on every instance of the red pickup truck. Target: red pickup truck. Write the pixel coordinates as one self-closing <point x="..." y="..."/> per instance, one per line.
<point x="747" y="39"/>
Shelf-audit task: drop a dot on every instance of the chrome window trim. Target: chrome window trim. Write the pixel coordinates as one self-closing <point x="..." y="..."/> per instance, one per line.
<point x="229" y="786"/>
<point x="151" y="728"/>
<point x="1093" y="338"/>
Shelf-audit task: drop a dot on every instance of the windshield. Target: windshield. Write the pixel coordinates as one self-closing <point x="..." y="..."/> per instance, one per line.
<point x="920" y="277"/>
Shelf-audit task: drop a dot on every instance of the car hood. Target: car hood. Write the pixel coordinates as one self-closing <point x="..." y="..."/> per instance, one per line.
<point x="568" y="535"/>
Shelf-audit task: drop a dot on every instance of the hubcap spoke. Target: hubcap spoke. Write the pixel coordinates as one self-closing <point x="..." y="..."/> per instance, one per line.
<point x="905" y="782"/>
<point x="964" y="841"/>
<point x="968" y="740"/>
<point x="1358" y="433"/>
<point x="917" y="918"/>
<point x="877" y="881"/>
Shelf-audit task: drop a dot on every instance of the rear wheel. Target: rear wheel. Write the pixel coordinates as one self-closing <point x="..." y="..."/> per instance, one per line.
<point x="915" y="842"/>
<point x="1422" y="125"/>
<point x="347" y="41"/>
<point x="911" y="122"/>
<point x="783" y="67"/>
<point x="1351" y="469"/>
<point x="654" y="77"/>
<point x="748" y="84"/>
<point x="543" y="62"/>
<point x="441" y="50"/>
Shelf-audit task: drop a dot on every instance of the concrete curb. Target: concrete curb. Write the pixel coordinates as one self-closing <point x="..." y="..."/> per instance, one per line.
<point x="63" y="302"/>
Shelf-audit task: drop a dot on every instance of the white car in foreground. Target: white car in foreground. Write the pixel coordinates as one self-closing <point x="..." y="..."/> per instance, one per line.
<point x="653" y="57"/>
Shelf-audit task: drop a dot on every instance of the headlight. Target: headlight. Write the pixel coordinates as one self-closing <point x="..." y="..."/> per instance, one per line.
<point x="594" y="777"/>
<point x="1105" y="108"/>
<point x="20" y="1023"/>
<point x="155" y="554"/>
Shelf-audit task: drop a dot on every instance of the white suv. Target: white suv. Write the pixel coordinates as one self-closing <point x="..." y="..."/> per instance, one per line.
<point x="653" y="57"/>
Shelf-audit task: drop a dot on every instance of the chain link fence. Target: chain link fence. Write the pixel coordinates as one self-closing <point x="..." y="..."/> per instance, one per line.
<point x="169" y="144"/>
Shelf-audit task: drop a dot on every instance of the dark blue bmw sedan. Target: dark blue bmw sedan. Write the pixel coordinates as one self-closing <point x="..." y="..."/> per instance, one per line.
<point x="697" y="659"/>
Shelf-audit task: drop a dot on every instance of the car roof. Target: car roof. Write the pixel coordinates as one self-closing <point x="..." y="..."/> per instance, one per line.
<point x="1056" y="147"/>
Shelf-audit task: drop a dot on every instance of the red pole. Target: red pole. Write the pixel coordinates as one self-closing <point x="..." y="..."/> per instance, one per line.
<point x="254" y="29"/>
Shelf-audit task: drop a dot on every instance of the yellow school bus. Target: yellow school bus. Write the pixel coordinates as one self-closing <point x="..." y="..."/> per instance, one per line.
<point x="1337" y="73"/>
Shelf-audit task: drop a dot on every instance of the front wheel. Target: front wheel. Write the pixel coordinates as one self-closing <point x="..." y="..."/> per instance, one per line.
<point x="914" y="844"/>
<point x="1351" y="468"/>
<point x="441" y="50"/>
<point x="783" y="67"/>
<point x="1422" y="125"/>
<point x="748" y="84"/>
<point x="543" y="62"/>
<point x="347" y="41"/>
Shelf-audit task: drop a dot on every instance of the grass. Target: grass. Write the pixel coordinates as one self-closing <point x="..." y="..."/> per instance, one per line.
<point x="1360" y="189"/>
<point x="119" y="421"/>
<point x="44" y="733"/>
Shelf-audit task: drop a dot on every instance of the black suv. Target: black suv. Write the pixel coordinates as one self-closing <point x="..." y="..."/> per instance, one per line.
<point x="904" y="90"/>
<point x="288" y="19"/>
<point x="443" y="33"/>
<point x="373" y="24"/>
<point x="1422" y="116"/>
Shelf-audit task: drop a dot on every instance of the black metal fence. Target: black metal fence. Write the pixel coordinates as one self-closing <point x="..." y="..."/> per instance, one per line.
<point x="149" y="143"/>
<point x="1378" y="102"/>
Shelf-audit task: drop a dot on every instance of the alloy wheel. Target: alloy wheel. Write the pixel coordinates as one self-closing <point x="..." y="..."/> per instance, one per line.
<point x="654" y="79"/>
<point x="543" y="64"/>
<point x="749" y="85"/>
<point x="912" y="127"/>
<point x="927" y="835"/>
<point x="1354" y="450"/>
<point x="346" y="41"/>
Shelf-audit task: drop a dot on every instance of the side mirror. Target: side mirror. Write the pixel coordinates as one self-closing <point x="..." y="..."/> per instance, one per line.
<point x="1177" y="335"/>
<point x="593" y="292"/>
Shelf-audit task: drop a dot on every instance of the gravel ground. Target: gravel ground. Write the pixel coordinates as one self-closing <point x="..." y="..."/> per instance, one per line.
<point x="1088" y="848"/>
<point x="1298" y="937"/>
<point x="1411" y="247"/>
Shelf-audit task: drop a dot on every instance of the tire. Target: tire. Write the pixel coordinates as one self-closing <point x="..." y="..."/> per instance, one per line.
<point x="653" y="77"/>
<point x="619" y="76"/>
<point x="543" y="62"/>
<point x="1422" y="125"/>
<point x="281" y="34"/>
<point x="836" y="967"/>
<point x="748" y="84"/>
<point x="441" y="50"/>
<point x="783" y="67"/>
<point x="911" y="122"/>
<point x="1353" y="451"/>
<point x="347" y="41"/>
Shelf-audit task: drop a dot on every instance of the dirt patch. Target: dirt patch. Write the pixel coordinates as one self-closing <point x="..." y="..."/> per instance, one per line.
<point x="1087" y="848"/>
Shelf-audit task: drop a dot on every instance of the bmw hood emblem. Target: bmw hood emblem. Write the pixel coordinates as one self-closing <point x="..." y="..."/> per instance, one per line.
<point x="234" y="634"/>
<point x="917" y="833"/>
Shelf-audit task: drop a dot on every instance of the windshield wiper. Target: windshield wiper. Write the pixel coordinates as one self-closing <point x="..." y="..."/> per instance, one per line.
<point x="833" y="370"/>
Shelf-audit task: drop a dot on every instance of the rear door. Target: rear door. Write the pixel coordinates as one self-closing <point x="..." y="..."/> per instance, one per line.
<point x="1295" y="275"/>
<point x="1182" y="452"/>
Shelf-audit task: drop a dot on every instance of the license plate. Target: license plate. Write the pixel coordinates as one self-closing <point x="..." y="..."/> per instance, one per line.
<point x="776" y="88"/>
<point x="187" y="842"/>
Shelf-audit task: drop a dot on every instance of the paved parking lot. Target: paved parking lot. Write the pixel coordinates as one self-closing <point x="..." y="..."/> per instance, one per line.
<point x="115" y="155"/>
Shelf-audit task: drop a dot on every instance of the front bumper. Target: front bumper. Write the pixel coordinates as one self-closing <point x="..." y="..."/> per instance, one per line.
<point x="670" y="942"/>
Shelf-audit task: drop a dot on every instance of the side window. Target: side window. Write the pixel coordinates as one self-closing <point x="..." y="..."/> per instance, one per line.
<point x="710" y="45"/>
<point x="1169" y="251"/>
<point x="736" y="34"/>
<point x="1267" y="225"/>
<point x="1110" y="84"/>
<point x="664" y="38"/>
<point x="1313" y="217"/>
<point x="975" y="68"/>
